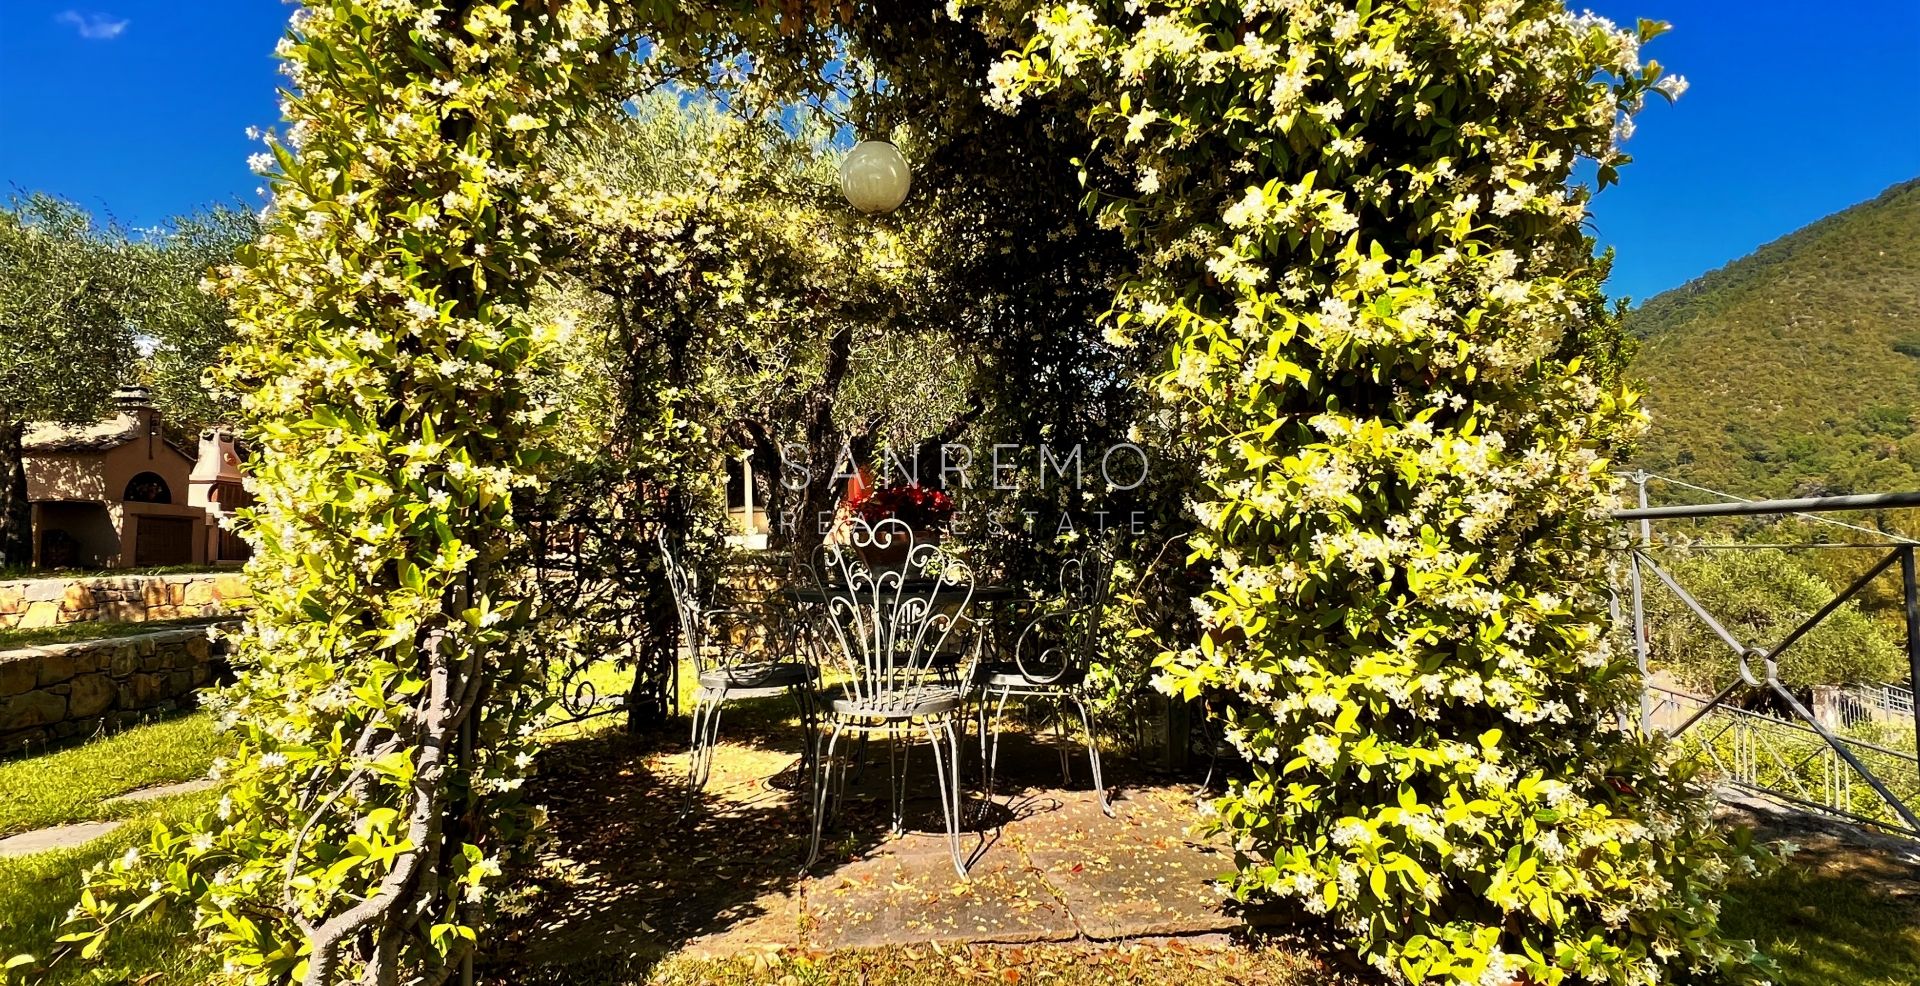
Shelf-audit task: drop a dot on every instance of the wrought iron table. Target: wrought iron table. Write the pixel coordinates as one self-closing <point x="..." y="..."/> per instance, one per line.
<point x="984" y="594"/>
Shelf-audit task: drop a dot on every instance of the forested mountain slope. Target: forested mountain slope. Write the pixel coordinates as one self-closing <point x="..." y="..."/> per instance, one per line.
<point x="1796" y="369"/>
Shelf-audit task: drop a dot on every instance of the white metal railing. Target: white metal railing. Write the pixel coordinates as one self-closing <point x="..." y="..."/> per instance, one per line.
<point x="1890" y="699"/>
<point x="1787" y="759"/>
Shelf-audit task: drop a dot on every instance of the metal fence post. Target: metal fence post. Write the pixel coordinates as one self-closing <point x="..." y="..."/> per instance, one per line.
<point x="1910" y="590"/>
<point x="1640" y="609"/>
<point x="1751" y="744"/>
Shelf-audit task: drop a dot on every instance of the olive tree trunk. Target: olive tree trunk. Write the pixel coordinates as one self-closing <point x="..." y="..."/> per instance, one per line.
<point x="16" y="513"/>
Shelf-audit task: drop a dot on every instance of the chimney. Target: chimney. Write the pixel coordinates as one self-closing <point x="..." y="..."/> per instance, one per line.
<point x="219" y="460"/>
<point x="131" y="396"/>
<point x="136" y="402"/>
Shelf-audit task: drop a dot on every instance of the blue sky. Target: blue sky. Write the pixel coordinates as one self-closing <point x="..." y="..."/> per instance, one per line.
<point x="1797" y="108"/>
<point x="136" y="107"/>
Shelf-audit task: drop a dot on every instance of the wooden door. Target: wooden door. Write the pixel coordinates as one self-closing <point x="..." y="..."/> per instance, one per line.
<point x="161" y="541"/>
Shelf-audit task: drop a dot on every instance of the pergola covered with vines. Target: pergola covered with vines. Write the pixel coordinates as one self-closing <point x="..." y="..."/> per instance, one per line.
<point x="1325" y="258"/>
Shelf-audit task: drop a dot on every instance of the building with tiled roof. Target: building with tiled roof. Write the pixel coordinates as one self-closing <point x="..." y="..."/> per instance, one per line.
<point x="119" y="493"/>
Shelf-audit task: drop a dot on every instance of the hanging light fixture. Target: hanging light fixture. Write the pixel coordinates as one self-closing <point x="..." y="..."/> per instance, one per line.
<point x="875" y="176"/>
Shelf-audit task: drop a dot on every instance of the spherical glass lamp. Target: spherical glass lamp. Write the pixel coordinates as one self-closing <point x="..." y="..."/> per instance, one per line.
<point x="875" y="176"/>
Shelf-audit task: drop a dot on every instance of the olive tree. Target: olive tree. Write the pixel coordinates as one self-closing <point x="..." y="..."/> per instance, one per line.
<point x="183" y="324"/>
<point x="67" y="288"/>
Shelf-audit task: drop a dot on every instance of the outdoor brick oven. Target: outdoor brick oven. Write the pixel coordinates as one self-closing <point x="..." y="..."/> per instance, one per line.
<point x="120" y="493"/>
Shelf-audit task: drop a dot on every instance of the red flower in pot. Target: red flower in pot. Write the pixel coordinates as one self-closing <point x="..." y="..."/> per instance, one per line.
<point x="914" y="505"/>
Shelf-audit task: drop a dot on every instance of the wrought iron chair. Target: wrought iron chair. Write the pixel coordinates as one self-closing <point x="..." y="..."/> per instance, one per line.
<point x="889" y="619"/>
<point x="742" y="651"/>
<point x="1052" y="656"/>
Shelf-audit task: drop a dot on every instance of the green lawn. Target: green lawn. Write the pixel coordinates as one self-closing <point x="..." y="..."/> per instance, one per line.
<point x="67" y="633"/>
<point x="37" y="891"/>
<point x="1838" y="919"/>
<point x="72" y="785"/>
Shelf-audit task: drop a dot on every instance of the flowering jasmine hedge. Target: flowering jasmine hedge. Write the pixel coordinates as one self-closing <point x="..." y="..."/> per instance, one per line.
<point x="1358" y="246"/>
<point x="1358" y="230"/>
<point x="387" y="365"/>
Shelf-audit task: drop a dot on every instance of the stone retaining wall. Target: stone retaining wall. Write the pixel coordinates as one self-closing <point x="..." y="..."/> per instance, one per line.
<point x="60" y="691"/>
<point x="34" y="603"/>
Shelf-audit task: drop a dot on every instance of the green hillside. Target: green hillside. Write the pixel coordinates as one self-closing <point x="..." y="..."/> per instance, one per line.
<point x="1794" y="370"/>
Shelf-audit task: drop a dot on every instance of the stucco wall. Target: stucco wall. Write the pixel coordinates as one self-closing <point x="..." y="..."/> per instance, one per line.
<point x="92" y="528"/>
<point x="65" y="691"/>
<point x="64" y="485"/>
<point x="103" y="476"/>
<point x="35" y="603"/>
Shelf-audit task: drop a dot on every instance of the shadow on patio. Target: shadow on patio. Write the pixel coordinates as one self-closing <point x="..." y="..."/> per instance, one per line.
<point x="627" y="881"/>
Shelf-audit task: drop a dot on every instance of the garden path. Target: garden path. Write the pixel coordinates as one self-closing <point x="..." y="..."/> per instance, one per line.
<point x="54" y="837"/>
<point x="80" y="833"/>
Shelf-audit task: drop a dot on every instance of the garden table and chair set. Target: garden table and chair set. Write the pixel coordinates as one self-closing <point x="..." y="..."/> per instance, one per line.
<point x="887" y="633"/>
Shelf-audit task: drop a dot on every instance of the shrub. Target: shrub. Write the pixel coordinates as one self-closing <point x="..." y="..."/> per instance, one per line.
<point x="1761" y="595"/>
<point x="1360" y="236"/>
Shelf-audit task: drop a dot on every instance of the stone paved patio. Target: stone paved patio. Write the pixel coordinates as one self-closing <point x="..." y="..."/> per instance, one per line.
<point x="627" y="880"/>
<point x="1058" y="871"/>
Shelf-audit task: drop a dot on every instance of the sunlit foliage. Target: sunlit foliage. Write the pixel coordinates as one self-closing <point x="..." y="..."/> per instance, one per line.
<point x="1359" y="229"/>
<point x="1347" y="236"/>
